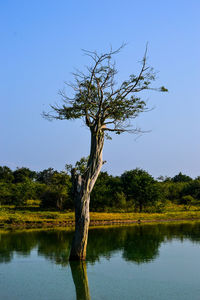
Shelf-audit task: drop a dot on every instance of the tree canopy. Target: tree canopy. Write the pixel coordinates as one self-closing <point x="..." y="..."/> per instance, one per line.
<point x="99" y="100"/>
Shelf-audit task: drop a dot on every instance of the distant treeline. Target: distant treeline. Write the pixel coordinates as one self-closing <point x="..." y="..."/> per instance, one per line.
<point x="134" y="190"/>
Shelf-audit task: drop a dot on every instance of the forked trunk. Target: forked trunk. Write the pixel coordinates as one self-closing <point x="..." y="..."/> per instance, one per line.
<point x="82" y="188"/>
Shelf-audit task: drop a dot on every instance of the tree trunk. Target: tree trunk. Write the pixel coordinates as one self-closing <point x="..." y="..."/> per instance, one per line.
<point x="82" y="220"/>
<point x="82" y="188"/>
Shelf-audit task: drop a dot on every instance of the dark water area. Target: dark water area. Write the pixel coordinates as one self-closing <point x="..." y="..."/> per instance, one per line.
<point x="129" y="262"/>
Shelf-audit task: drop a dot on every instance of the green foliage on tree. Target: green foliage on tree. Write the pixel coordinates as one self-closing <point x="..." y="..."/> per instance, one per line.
<point x="45" y="176"/>
<point x="111" y="193"/>
<point x="57" y="193"/>
<point x="99" y="100"/>
<point x="80" y="166"/>
<point x="192" y="188"/>
<point x="6" y="174"/>
<point x="22" y="174"/>
<point x="140" y="188"/>
<point x="107" y="193"/>
<point x="181" y="178"/>
<point x="187" y="200"/>
<point x="6" y="193"/>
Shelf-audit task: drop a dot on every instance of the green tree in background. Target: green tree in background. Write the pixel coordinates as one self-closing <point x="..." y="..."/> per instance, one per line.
<point x="22" y="174"/>
<point x="181" y="178"/>
<point x="46" y="175"/>
<point x="57" y="195"/>
<point x="140" y="188"/>
<point x="107" y="193"/>
<point x="6" y="174"/>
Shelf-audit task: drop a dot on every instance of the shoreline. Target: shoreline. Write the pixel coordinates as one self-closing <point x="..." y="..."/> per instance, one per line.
<point x="11" y="218"/>
<point x="93" y="223"/>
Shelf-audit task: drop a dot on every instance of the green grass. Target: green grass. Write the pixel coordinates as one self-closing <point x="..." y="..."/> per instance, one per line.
<point x="23" y="218"/>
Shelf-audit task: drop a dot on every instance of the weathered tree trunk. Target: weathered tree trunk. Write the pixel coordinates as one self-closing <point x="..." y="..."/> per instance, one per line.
<point x="79" y="275"/>
<point x="82" y="188"/>
<point x="82" y="220"/>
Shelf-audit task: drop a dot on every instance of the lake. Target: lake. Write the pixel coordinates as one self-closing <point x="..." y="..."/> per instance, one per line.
<point x="128" y="262"/>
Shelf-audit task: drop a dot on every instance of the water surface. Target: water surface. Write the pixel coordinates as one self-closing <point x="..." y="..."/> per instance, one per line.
<point x="130" y="262"/>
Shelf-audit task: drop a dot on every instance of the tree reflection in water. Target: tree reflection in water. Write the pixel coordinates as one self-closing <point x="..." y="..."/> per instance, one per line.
<point x="79" y="275"/>
<point x="138" y="244"/>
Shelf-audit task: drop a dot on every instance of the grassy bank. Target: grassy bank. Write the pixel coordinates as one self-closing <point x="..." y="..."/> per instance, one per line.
<point x="13" y="218"/>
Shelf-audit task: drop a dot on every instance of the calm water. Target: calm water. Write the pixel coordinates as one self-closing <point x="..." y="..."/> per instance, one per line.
<point x="133" y="262"/>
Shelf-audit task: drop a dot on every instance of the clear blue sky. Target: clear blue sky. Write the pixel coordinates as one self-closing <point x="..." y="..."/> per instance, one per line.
<point x="41" y="44"/>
